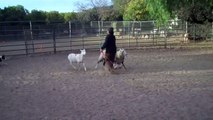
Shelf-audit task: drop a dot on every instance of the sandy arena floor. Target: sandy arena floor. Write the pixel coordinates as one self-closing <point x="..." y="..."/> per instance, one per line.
<point x="159" y="84"/>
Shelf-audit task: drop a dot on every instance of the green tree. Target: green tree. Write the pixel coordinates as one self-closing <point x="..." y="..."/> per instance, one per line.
<point x="120" y="5"/>
<point x="175" y="5"/>
<point x="54" y="16"/>
<point x="107" y="14"/>
<point x="70" y="16"/>
<point x="112" y="15"/>
<point x="15" y="13"/>
<point x="88" y="15"/>
<point x="37" y="15"/>
<point x="136" y="10"/>
<point x="99" y="7"/>
<point x="158" y="11"/>
<point x="143" y="10"/>
<point x="1" y="15"/>
<point x="92" y="15"/>
<point x="197" y="11"/>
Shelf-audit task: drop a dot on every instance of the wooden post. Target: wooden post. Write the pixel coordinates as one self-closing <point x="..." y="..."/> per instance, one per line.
<point x="165" y="45"/>
<point x="54" y="41"/>
<point x="129" y="34"/>
<point x="82" y="38"/>
<point x="212" y="30"/>
<point x="31" y="30"/>
<point x="26" y="48"/>
<point x="99" y="27"/>
<point x="70" y="29"/>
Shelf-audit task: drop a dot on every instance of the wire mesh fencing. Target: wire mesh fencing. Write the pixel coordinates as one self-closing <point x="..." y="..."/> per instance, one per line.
<point x="30" y="37"/>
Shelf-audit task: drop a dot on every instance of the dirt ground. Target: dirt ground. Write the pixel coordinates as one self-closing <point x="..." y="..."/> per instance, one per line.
<point x="159" y="84"/>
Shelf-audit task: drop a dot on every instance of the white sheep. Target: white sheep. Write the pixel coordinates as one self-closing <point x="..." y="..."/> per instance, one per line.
<point x="163" y="33"/>
<point x="77" y="58"/>
<point x="185" y="38"/>
<point x="119" y="58"/>
<point x="146" y="36"/>
<point x="154" y="31"/>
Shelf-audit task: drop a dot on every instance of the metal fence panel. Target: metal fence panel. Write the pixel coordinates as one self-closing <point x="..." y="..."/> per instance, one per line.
<point x="28" y="37"/>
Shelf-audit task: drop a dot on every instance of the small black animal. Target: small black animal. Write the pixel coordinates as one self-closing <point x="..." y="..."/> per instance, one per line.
<point x="2" y="57"/>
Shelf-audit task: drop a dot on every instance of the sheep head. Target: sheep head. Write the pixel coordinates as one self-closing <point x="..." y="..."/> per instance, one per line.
<point x="83" y="52"/>
<point x="121" y="53"/>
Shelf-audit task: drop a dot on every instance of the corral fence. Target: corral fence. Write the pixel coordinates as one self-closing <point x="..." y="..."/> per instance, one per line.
<point x="30" y="37"/>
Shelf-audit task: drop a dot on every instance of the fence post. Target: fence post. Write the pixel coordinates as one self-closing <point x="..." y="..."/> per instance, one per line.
<point x="26" y="48"/>
<point x="194" y="32"/>
<point x="212" y="32"/>
<point x="54" y="42"/>
<point x="99" y="28"/>
<point x="31" y="30"/>
<point x="129" y="34"/>
<point x="70" y="29"/>
<point x="153" y="34"/>
<point x="83" y="42"/>
<point x="33" y="46"/>
<point x="165" y="36"/>
<point x="31" y="36"/>
<point x="165" y="45"/>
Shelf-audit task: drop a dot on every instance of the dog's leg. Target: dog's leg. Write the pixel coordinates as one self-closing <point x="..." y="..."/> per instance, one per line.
<point x="99" y="60"/>
<point x="96" y="66"/>
<point x="104" y="62"/>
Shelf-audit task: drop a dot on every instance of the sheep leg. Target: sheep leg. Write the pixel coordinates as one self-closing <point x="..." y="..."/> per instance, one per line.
<point x="115" y="65"/>
<point x="72" y="65"/>
<point x="79" y="66"/>
<point x="124" y="65"/>
<point x="84" y="66"/>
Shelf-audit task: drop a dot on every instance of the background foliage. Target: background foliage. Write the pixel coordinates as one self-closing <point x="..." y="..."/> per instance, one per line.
<point x="193" y="11"/>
